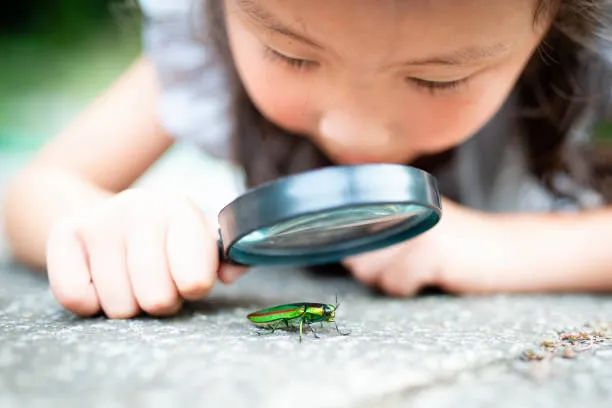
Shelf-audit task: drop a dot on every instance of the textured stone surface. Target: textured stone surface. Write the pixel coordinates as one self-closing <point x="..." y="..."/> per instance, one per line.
<point x="427" y="351"/>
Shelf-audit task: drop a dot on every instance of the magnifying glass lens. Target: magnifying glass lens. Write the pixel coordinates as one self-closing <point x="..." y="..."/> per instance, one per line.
<point x="340" y="228"/>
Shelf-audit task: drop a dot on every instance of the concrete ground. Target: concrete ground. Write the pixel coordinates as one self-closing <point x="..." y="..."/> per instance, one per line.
<point x="439" y="351"/>
<point x="428" y="351"/>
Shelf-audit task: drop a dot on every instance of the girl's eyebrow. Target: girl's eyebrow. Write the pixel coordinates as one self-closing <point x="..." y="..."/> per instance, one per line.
<point x="271" y="23"/>
<point x="461" y="56"/>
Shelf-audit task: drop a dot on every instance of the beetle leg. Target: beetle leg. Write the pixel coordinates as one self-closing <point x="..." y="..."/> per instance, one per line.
<point x="301" y="323"/>
<point x="269" y="329"/>
<point x="266" y="330"/>
<point x="338" y="330"/>
<point x="312" y="330"/>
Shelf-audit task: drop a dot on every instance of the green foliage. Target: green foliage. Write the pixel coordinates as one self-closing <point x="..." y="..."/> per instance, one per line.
<point x="603" y="132"/>
<point x="54" y="18"/>
<point x="57" y="56"/>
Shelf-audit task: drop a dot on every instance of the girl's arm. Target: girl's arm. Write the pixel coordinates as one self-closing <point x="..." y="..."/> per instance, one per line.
<point x="554" y="252"/>
<point x="474" y="252"/>
<point x="102" y="152"/>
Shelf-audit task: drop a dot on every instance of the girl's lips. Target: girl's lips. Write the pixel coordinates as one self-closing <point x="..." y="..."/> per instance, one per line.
<point x="357" y="159"/>
<point x="363" y="158"/>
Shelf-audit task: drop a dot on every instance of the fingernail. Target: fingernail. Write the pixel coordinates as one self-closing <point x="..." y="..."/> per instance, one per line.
<point x="230" y="273"/>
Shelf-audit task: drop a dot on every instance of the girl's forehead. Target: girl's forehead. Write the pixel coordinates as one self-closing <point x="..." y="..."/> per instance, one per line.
<point x="389" y="26"/>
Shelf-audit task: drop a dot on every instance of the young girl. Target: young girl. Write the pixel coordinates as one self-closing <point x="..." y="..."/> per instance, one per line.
<point x="496" y="98"/>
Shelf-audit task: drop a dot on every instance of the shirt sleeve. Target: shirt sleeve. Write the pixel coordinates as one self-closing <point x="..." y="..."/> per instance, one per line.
<point x="194" y="101"/>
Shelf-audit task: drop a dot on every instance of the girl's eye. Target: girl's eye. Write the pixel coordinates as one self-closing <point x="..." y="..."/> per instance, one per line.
<point x="436" y="86"/>
<point x="295" y="63"/>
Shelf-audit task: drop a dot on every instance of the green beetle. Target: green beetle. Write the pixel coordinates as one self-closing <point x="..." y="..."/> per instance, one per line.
<point x="289" y="315"/>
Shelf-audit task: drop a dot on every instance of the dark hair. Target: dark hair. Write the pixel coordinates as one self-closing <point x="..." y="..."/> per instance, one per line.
<point x="566" y="78"/>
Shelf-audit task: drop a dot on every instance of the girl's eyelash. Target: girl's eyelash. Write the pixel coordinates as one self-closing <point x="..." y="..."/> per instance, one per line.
<point x="295" y="63"/>
<point x="301" y="64"/>
<point x="435" y="86"/>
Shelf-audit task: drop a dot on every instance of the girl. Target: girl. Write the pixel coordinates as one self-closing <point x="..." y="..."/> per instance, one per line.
<point x="497" y="99"/>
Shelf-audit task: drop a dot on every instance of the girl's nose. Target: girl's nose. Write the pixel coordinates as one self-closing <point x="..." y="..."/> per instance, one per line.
<point x="355" y="131"/>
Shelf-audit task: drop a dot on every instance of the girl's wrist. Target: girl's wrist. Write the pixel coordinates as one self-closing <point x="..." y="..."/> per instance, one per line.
<point x="475" y="252"/>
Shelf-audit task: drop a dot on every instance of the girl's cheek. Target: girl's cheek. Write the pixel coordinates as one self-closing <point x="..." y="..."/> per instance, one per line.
<point x="283" y="97"/>
<point x="285" y="102"/>
<point x="442" y="123"/>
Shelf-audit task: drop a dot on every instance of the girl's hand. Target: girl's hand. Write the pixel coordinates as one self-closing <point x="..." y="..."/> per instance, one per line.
<point x="459" y="255"/>
<point x="136" y="251"/>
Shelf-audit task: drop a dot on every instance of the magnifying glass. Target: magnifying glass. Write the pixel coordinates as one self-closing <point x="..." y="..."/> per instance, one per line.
<point x="325" y="215"/>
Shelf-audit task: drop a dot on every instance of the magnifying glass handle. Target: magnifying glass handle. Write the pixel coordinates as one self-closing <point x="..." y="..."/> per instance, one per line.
<point x="222" y="257"/>
<point x="220" y="250"/>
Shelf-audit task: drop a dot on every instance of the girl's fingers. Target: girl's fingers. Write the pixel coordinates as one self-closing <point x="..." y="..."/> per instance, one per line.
<point x="149" y="273"/>
<point x="406" y="276"/>
<point x="398" y="282"/>
<point x="192" y="252"/>
<point x="367" y="267"/>
<point x="135" y="252"/>
<point x="68" y="271"/>
<point x="364" y="273"/>
<point x="228" y="273"/>
<point x="108" y="267"/>
<point x="390" y="269"/>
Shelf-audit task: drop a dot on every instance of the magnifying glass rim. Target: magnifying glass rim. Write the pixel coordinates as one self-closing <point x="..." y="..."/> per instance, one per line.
<point x="338" y="251"/>
<point x="303" y="194"/>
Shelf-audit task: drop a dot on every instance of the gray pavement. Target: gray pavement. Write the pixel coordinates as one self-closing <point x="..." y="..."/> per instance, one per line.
<point x="436" y="350"/>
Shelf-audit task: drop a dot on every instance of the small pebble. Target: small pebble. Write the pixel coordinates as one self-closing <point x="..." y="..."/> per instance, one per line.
<point x="569" y="353"/>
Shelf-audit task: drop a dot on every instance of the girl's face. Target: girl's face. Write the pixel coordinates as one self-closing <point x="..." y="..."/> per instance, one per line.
<point x="381" y="80"/>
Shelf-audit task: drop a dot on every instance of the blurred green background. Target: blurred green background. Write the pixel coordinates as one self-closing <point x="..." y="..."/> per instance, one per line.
<point x="55" y="57"/>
